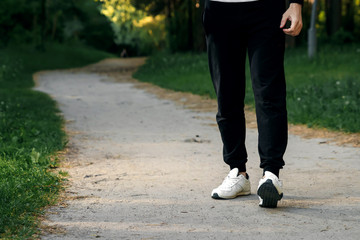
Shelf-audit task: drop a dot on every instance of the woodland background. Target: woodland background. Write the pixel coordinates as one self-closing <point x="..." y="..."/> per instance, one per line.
<point x="35" y="35"/>
<point x="144" y="26"/>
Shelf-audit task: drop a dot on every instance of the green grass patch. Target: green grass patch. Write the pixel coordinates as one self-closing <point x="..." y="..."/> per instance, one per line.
<point x="184" y="72"/>
<point x="322" y="92"/>
<point x="31" y="134"/>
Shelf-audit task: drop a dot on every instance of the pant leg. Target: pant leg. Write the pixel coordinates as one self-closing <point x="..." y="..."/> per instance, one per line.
<point x="226" y="45"/>
<point x="266" y="56"/>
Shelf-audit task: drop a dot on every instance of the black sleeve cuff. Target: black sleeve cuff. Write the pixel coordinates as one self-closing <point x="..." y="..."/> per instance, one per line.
<point x="297" y="1"/>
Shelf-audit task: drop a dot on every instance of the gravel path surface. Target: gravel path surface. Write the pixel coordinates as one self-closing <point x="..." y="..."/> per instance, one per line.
<point x="143" y="168"/>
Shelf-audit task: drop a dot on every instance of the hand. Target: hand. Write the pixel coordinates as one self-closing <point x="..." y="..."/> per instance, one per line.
<point x="293" y="14"/>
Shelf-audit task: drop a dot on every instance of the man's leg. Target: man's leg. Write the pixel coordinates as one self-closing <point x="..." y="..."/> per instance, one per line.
<point x="227" y="51"/>
<point x="226" y="44"/>
<point x="266" y="55"/>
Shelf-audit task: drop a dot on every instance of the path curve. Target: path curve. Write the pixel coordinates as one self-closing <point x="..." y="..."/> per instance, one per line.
<point x="143" y="168"/>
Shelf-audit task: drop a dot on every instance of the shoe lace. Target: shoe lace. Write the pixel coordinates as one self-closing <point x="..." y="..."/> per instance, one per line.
<point x="229" y="181"/>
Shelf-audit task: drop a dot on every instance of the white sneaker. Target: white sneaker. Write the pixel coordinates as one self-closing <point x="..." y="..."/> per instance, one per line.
<point x="269" y="190"/>
<point x="232" y="186"/>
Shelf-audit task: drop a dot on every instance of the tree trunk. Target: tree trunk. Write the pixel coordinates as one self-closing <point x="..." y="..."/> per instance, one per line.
<point x="290" y="41"/>
<point x="349" y="21"/>
<point x="333" y="16"/>
<point x="190" y="25"/>
<point x="43" y="25"/>
<point x="54" y="26"/>
<point x="168" y="10"/>
<point x="199" y="35"/>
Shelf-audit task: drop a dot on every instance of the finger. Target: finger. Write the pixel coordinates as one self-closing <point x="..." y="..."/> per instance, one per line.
<point x="283" y="21"/>
<point x="297" y="29"/>
<point x="289" y="30"/>
<point x="294" y="28"/>
<point x="290" y="34"/>
<point x="293" y="32"/>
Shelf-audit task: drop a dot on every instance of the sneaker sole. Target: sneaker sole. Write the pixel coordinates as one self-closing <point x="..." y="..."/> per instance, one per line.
<point x="269" y="194"/>
<point x="216" y="196"/>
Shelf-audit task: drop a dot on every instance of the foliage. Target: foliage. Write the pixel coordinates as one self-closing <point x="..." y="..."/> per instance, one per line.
<point x="134" y="30"/>
<point x="25" y="21"/>
<point x="142" y="26"/>
<point x="337" y="22"/>
<point x="323" y="92"/>
<point x="183" y="22"/>
<point x="30" y="135"/>
<point x="124" y="14"/>
<point x="345" y="18"/>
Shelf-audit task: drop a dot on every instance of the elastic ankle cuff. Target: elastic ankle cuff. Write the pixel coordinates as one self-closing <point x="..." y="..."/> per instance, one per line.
<point x="241" y="168"/>
<point x="274" y="171"/>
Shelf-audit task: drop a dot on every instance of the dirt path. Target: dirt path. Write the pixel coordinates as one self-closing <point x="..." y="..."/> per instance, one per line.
<point x="143" y="167"/>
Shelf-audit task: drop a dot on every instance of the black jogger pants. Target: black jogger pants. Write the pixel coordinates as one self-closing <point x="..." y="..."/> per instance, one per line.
<point x="232" y="29"/>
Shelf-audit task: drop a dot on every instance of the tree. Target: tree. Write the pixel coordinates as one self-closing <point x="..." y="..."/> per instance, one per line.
<point x="38" y="21"/>
<point x="41" y="45"/>
<point x="348" y="19"/>
<point x="333" y="16"/>
<point x="134" y="29"/>
<point x="183" y="22"/>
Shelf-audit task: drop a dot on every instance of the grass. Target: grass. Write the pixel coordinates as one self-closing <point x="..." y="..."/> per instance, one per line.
<point x="322" y="92"/>
<point x="31" y="134"/>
